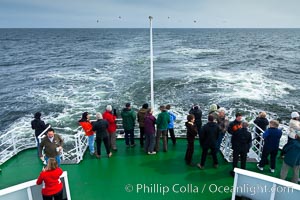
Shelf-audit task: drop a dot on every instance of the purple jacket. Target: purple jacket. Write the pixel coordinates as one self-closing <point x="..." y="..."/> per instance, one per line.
<point x="149" y="125"/>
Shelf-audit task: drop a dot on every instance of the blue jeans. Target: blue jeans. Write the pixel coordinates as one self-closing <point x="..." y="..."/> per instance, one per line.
<point x="57" y="158"/>
<point x="91" y="140"/>
<point x="129" y="134"/>
<point x="38" y="145"/>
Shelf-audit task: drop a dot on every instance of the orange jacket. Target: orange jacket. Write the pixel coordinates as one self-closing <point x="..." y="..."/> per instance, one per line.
<point x="87" y="127"/>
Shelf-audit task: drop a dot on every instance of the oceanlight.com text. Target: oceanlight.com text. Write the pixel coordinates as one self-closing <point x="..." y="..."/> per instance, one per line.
<point x="193" y="189"/>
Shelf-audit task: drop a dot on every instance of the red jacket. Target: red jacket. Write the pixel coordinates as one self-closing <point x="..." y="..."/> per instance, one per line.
<point x="112" y="126"/>
<point x="87" y="127"/>
<point x="53" y="185"/>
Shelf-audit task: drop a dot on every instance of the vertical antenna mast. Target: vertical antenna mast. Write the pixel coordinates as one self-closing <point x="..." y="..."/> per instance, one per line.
<point x="151" y="65"/>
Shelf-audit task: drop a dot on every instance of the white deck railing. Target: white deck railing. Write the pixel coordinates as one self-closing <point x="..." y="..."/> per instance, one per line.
<point x="255" y="186"/>
<point x="255" y="152"/>
<point x="11" y="144"/>
<point x="76" y="144"/>
<point x="31" y="191"/>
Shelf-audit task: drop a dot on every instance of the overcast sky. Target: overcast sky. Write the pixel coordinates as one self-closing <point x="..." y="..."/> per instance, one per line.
<point x="135" y="13"/>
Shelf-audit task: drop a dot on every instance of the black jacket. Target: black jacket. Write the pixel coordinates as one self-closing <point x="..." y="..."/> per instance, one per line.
<point x="209" y="134"/>
<point x="100" y="126"/>
<point x="234" y="126"/>
<point x="38" y="126"/>
<point x="262" y="123"/>
<point x="191" y="131"/>
<point x="198" y="116"/>
<point x="241" y="140"/>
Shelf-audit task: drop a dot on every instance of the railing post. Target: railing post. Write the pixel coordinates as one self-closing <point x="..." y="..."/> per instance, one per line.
<point x="76" y="147"/>
<point x="14" y="144"/>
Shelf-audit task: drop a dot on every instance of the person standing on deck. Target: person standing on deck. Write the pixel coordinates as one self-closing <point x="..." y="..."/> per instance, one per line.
<point x="112" y="126"/>
<point x="149" y="123"/>
<point x="38" y="126"/>
<point x="171" y="124"/>
<point x="291" y="160"/>
<point x="50" y="175"/>
<point x="294" y="130"/>
<point x="128" y="120"/>
<point x="191" y="133"/>
<point x="271" y="145"/>
<point x="235" y="125"/>
<point x="241" y="142"/>
<point x="262" y="122"/>
<point x="209" y="136"/>
<point x="52" y="145"/>
<point x="86" y="125"/>
<point x="294" y="126"/>
<point x="223" y="122"/>
<point x="195" y="110"/>
<point x="141" y="118"/>
<point x="213" y="110"/>
<point x="162" y="122"/>
<point x="100" y="127"/>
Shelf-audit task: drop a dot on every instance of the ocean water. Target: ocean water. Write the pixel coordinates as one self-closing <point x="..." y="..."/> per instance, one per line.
<point x="64" y="72"/>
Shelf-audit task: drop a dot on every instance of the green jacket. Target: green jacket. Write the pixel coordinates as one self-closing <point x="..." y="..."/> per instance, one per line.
<point x="128" y="118"/>
<point x="163" y="120"/>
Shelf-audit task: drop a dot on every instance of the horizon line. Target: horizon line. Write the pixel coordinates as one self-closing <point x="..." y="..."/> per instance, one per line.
<point x="148" y="28"/>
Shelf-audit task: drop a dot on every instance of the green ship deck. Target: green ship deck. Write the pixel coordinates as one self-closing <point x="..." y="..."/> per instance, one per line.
<point x="131" y="174"/>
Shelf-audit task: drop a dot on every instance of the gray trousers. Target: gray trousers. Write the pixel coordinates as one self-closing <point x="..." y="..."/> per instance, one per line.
<point x="112" y="137"/>
<point x="149" y="142"/>
<point x="285" y="169"/>
<point x="164" y="134"/>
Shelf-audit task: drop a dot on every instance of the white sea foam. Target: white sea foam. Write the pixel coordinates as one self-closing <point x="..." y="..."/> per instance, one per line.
<point x="76" y="98"/>
<point x="252" y="85"/>
<point x="194" y="52"/>
<point x="196" y="65"/>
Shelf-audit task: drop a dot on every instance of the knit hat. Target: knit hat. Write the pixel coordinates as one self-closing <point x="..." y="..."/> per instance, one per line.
<point x="294" y="115"/>
<point x="109" y="108"/>
<point x="127" y="105"/>
<point x="213" y="107"/>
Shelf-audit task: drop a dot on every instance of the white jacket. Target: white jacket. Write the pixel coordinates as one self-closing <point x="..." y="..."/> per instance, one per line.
<point x="294" y="128"/>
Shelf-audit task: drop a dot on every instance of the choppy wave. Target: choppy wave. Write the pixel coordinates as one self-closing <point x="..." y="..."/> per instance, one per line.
<point x="245" y="85"/>
<point x="84" y="70"/>
<point x="195" y="52"/>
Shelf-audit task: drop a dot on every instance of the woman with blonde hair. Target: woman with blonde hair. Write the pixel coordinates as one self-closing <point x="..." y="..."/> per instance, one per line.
<point x="50" y="175"/>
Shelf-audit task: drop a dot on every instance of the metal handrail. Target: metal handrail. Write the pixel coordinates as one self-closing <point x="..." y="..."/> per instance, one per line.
<point x="11" y="144"/>
<point x="257" y="147"/>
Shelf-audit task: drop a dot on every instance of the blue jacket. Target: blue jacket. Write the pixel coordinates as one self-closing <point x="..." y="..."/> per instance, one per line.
<point x="172" y="119"/>
<point x="272" y="138"/>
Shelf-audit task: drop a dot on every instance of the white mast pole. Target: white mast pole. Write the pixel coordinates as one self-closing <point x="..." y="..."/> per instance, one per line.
<point x="151" y="65"/>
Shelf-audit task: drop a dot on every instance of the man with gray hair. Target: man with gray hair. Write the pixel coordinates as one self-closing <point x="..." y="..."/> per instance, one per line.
<point x="111" y="117"/>
<point x="100" y="127"/>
